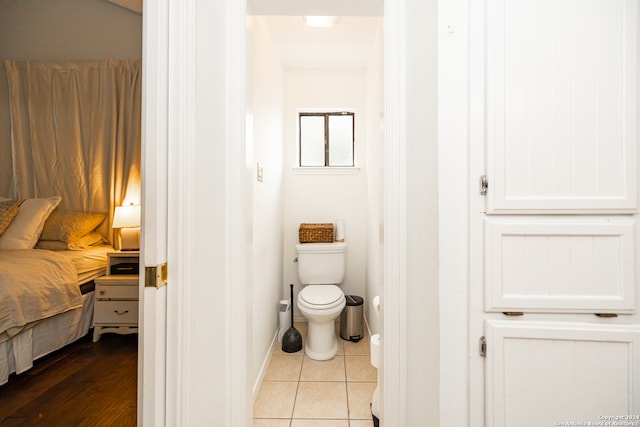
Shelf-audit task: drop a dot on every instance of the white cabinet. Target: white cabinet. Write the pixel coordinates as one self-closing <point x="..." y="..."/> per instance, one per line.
<point x="116" y="296"/>
<point x="554" y="236"/>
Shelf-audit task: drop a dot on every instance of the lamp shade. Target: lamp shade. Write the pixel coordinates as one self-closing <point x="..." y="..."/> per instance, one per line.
<point x="126" y="216"/>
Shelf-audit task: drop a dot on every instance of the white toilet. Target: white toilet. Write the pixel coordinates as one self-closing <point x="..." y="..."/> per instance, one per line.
<point x="320" y="269"/>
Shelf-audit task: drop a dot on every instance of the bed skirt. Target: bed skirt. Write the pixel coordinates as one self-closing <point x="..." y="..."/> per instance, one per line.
<point x="18" y="353"/>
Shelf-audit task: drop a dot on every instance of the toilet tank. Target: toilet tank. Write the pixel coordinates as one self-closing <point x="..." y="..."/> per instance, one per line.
<point x="321" y="263"/>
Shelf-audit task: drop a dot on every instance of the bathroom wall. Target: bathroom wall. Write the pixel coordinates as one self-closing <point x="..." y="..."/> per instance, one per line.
<point x="264" y="198"/>
<point x="326" y="196"/>
<point x="68" y="29"/>
<point x="375" y="180"/>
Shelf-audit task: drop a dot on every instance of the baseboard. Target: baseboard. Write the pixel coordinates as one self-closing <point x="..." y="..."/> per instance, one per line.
<point x="263" y="369"/>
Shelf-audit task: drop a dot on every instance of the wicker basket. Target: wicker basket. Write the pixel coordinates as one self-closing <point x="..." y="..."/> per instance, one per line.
<point x="315" y="233"/>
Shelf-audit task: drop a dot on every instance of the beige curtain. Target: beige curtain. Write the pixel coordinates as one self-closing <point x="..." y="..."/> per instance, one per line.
<point x="72" y="129"/>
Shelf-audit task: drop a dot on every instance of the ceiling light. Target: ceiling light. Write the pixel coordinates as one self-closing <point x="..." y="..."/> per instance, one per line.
<point x="321" y="21"/>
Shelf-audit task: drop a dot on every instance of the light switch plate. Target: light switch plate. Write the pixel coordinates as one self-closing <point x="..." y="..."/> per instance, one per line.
<point x="260" y="175"/>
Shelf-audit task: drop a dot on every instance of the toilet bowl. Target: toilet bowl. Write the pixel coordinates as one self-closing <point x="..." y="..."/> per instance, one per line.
<point x="321" y="268"/>
<point x="321" y="305"/>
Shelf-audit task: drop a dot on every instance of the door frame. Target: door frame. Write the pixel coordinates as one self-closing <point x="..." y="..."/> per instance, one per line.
<point x="170" y="59"/>
<point x="393" y="377"/>
<point x="152" y="332"/>
<point x="394" y="366"/>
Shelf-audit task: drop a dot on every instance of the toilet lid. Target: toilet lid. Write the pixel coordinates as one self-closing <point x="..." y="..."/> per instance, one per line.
<point x="321" y="294"/>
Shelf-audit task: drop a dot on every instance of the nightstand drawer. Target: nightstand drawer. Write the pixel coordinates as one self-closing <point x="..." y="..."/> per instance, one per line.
<point x="116" y="312"/>
<point x="124" y="268"/>
<point x="117" y="279"/>
<point x="116" y="292"/>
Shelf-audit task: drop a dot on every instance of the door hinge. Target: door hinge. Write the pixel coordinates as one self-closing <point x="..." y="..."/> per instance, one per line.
<point x="155" y="276"/>
<point x="484" y="185"/>
<point x="483" y="347"/>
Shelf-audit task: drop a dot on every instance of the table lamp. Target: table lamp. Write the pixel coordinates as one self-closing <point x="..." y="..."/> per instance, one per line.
<point x="127" y="219"/>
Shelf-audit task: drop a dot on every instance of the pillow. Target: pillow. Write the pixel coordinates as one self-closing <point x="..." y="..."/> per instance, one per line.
<point x="91" y="239"/>
<point x="84" y="242"/>
<point x="25" y="229"/>
<point x="70" y="226"/>
<point x="8" y="210"/>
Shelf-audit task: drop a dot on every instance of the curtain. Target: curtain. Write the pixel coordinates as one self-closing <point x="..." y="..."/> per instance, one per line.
<point x="72" y="129"/>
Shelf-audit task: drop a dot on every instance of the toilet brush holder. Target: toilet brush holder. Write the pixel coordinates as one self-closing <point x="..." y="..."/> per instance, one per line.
<point x="284" y="318"/>
<point x="291" y="340"/>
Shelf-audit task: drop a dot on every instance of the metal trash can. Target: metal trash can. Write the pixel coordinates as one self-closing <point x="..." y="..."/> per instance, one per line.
<point x="351" y="319"/>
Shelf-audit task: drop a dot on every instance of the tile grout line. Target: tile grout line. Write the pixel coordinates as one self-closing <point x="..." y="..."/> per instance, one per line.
<point x="346" y="383"/>
<point x="295" y="398"/>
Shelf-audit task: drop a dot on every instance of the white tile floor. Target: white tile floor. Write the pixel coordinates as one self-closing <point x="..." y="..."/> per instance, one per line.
<point x="301" y="392"/>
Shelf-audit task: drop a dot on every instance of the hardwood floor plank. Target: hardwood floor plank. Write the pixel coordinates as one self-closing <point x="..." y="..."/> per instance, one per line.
<point x="84" y="383"/>
<point x="127" y="419"/>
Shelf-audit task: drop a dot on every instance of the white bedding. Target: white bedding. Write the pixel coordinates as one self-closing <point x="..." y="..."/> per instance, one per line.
<point x="40" y="338"/>
<point x="90" y="263"/>
<point x="35" y="284"/>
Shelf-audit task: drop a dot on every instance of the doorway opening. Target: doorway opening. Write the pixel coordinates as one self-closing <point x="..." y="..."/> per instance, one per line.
<point x="292" y="67"/>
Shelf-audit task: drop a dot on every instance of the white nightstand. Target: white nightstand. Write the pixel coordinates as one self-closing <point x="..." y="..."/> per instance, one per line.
<point x="116" y="295"/>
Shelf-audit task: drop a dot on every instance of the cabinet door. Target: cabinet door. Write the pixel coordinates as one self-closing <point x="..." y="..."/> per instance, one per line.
<point x="542" y="373"/>
<point x="560" y="264"/>
<point x="561" y="105"/>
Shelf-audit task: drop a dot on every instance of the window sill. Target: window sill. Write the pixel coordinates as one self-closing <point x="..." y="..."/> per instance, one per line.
<point x="326" y="170"/>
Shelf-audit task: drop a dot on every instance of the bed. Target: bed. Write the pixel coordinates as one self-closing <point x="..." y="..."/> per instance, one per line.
<point x="46" y="281"/>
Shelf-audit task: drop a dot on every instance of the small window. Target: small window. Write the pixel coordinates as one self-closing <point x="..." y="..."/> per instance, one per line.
<point x="326" y="139"/>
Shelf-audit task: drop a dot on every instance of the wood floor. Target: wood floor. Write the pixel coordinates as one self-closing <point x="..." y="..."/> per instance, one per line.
<point x="83" y="384"/>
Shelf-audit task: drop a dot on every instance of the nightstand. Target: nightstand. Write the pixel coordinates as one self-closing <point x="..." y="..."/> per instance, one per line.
<point x="116" y="295"/>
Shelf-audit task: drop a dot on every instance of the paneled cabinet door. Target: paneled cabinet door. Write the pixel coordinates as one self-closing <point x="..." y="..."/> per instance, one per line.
<point x="555" y="264"/>
<point x="545" y="374"/>
<point x="561" y="106"/>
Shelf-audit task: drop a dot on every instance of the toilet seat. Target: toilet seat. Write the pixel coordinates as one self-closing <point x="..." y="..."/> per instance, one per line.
<point x="321" y="297"/>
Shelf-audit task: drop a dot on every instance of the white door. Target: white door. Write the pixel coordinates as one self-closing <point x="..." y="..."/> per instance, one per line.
<point x="153" y="301"/>
<point x="554" y="283"/>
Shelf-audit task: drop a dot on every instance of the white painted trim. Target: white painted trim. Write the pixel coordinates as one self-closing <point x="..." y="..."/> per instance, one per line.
<point x="329" y="170"/>
<point x="180" y="123"/>
<point x="239" y="411"/>
<point x="263" y="368"/>
<point x="476" y="205"/>
<point x="394" y="368"/>
<point x="453" y="210"/>
<point x="152" y="374"/>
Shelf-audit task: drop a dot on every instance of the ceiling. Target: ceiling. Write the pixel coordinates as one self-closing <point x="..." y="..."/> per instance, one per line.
<point x="348" y="44"/>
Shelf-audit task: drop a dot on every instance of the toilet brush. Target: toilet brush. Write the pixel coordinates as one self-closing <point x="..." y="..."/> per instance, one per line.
<point x="291" y="340"/>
